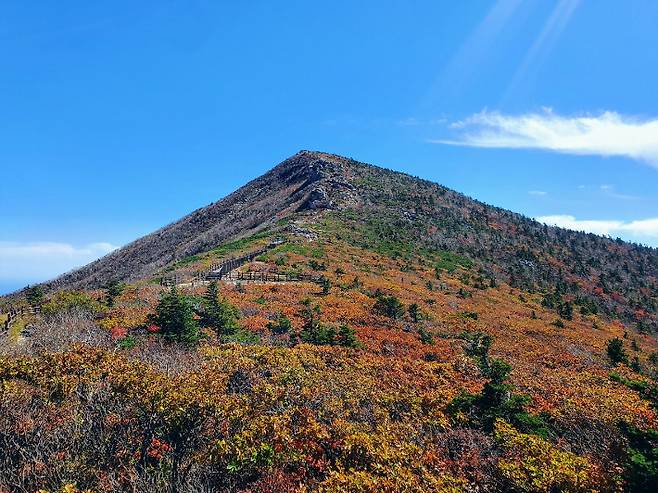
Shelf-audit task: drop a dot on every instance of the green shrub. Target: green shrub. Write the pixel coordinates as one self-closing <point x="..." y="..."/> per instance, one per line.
<point x="498" y="401"/>
<point x="282" y="325"/>
<point x="326" y="285"/>
<point x="414" y="312"/>
<point x="347" y="337"/>
<point x="425" y="336"/>
<point x="478" y="345"/>
<point x="242" y="336"/>
<point x="389" y="305"/>
<point x="565" y="310"/>
<point x="315" y="332"/>
<point x="641" y="463"/>
<point x="68" y="300"/>
<point x="127" y="342"/>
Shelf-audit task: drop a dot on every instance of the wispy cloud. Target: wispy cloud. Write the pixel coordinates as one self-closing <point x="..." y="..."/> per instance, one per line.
<point x="644" y="228"/>
<point x="538" y="193"/>
<point x="607" y="134"/>
<point x="610" y="191"/>
<point x="39" y="261"/>
<point x="415" y="122"/>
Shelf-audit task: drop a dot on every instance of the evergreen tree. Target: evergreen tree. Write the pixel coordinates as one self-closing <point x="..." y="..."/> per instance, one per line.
<point x="389" y="306"/>
<point x="641" y="464"/>
<point x="565" y="311"/>
<point x="281" y="325"/>
<point x="425" y="337"/>
<point x="414" y="312"/>
<point x="175" y="317"/>
<point x="313" y="331"/>
<point x="217" y="313"/>
<point x="616" y="351"/>
<point x="326" y="285"/>
<point x="498" y="400"/>
<point x="34" y="295"/>
<point x="347" y="337"/>
<point x="113" y="290"/>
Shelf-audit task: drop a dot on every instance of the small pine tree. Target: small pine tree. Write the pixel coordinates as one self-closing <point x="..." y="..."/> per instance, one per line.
<point x="616" y="351"/>
<point x="635" y="365"/>
<point x="34" y="295"/>
<point x="113" y="290"/>
<point x="281" y="325"/>
<point x="326" y="285"/>
<point x="174" y="315"/>
<point x="653" y="358"/>
<point x="347" y="337"/>
<point x="414" y="312"/>
<point x="498" y="400"/>
<point x="217" y="313"/>
<point x="425" y="336"/>
<point x="389" y="306"/>
<point x="566" y="311"/>
<point x="313" y="331"/>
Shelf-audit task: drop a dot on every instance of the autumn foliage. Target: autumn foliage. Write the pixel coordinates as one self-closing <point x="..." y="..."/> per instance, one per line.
<point x="402" y="371"/>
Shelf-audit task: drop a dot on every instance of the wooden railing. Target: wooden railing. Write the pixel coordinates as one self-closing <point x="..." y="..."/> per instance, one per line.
<point x="269" y="277"/>
<point x="220" y="270"/>
<point x="224" y="268"/>
<point x="13" y="313"/>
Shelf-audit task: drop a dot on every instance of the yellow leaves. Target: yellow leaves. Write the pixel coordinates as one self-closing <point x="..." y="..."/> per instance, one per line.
<point x="533" y="464"/>
<point x="401" y="480"/>
<point x="67" y="488"/>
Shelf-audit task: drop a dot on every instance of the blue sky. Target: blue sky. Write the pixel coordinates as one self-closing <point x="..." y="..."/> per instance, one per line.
<point x="119" y="117"/>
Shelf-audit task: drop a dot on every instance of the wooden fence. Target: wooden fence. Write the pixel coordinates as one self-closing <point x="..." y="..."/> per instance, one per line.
<point x="14" y="313"/>
<point x="223" y="270"/>
<point x="269" y="277"/>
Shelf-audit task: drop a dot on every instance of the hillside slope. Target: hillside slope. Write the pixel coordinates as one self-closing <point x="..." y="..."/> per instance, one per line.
<point x="304" y="181"/>
<point x="384" y="334"/>
<point x="375" y="204"/>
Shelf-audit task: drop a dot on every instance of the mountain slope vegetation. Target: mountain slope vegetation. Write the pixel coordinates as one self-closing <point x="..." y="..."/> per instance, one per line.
<point x="426" y="342"/>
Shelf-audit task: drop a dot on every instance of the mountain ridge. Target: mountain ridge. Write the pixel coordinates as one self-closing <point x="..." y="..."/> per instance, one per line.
<point x="401" y="208"/>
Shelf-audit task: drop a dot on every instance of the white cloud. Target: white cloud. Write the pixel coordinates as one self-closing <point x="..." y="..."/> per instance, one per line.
<point x="538" y="193"/>
<point x="40" y="261"/>
<point x="644" y="228"/>
<point x="608" y="134"/>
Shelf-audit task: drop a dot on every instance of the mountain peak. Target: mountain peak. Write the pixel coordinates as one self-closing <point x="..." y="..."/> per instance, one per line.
<point x="384" y="209"/>
<point x="306" y="181"/>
